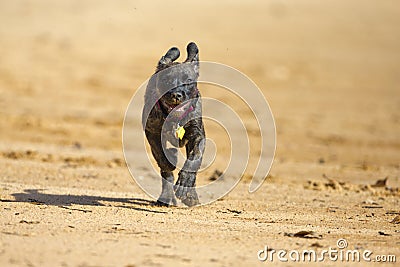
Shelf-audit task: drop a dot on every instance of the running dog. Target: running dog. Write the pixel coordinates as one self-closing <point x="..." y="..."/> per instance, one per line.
<point x="173" y="113"/>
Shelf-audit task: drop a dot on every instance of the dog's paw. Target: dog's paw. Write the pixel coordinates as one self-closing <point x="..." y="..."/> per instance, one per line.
<point x="166" y="200"/>
<point x="185" y="190"/>
<point x="190" y="199"/>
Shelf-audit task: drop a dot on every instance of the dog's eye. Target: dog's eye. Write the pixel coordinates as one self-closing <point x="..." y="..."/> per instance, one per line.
<point x="189" y="80"/>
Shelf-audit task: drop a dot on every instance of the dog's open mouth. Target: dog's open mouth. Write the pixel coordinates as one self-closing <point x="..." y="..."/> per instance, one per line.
<point x="177" y="110"/>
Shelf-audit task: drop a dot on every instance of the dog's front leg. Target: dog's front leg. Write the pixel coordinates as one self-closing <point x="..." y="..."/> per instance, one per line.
<point x="167" y="194"/>
<point x="166" y="160"/>
<point x="185" y="185"/>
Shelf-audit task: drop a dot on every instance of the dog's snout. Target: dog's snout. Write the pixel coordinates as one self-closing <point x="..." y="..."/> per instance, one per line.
<point x="177" y="95"/>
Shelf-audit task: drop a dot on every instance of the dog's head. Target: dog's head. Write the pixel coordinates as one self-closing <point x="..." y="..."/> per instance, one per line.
<point x="176" y="83"/>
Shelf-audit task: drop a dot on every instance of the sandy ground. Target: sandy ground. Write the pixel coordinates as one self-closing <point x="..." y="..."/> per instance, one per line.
<point x="329" y="69"/>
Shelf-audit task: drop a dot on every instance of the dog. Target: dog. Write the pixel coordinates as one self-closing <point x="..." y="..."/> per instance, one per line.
<point x="172" y="113"/>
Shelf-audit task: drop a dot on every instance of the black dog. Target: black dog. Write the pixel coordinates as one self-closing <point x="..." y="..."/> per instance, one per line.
<point x="172" y="112"/>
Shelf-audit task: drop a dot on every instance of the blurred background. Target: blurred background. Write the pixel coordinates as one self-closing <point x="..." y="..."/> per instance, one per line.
<point x="329" y="69"/>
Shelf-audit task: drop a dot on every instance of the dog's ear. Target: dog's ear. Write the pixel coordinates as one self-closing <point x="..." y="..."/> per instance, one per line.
<point x="193" y="56"/>
<point x="192" y="53"/>
<point x="172" y="55"/>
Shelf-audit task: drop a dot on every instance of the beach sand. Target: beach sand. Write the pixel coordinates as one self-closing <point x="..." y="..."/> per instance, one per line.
<point x="330" y="71"/>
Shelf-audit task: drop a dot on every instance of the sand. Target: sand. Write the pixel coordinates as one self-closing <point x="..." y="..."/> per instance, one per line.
<point x="329" y="70"/>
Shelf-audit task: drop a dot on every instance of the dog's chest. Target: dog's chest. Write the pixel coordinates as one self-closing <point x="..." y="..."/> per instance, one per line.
<point x="173" y="132"/>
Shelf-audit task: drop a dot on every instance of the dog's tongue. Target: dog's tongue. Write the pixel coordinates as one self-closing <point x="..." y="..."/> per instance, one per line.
<point x="179" y="110"/>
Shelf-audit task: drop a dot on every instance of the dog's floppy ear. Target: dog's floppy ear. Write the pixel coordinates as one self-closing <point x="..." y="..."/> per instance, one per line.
<point x="192" y="53"/>
<point x="193" y="56"/>
<point x="172" y="55"/>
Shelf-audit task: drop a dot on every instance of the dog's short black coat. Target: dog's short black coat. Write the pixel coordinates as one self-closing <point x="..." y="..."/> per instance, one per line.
<point x="173" y="101"/>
